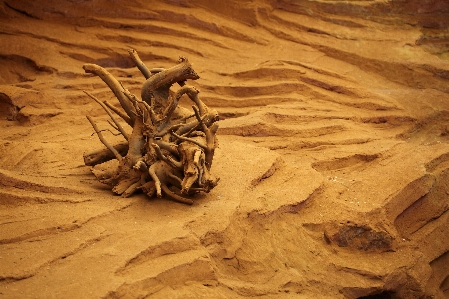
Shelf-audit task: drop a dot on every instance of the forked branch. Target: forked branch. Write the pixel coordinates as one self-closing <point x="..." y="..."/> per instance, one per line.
<point x="119" y="126"/>
<point x="115" y="87"/>
<point x="100" y="136"/>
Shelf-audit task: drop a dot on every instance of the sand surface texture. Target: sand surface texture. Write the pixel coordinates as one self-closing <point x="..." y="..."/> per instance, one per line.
<point x="333" y="155"/>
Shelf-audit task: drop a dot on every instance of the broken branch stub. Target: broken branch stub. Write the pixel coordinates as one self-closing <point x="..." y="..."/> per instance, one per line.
<point x="170" y="149"/>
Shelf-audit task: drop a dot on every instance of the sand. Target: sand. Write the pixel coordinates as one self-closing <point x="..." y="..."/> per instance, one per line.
<point x="333" y="155"/>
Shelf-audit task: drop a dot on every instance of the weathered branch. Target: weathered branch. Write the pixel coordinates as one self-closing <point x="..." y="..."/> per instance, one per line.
<point x="115" y="87"/>
<point x="100" y="136"/>
<point x="193" y="92"/>
<point x="209" y="147"/>
<point x="203" y="146"/>
<point x="136" y="142"/>
<point x="181" y="129"/>
<point x="164" y="158"/>
<point x="118" y="112"/>
<point x="168" y="146"/>
<point x="175" y="196"/>
<point x="210" y="144"/>
<point x="166" y="78"/>
<point x="168" y="112"/>
<point x="139" y="110"/>
<point x="119" y="126"/>
<point x="139" y="63"/>
<point x="103" y="155"/>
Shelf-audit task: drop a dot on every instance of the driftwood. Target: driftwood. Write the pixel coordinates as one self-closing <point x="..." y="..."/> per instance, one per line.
<point x="170" y="149"/>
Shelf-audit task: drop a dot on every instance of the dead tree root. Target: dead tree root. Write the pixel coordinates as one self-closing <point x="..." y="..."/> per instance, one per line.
<point x="170" y="149"/>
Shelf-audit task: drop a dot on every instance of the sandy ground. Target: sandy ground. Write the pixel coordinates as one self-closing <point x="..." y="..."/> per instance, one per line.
<point x="333" y="156"/>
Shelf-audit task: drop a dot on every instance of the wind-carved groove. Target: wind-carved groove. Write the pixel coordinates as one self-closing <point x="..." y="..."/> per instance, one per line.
<point x="85" y="244"/>
<point x="170" y="247"/>
<point x="22" y="12"/>
<point x="73" y="50"/>
<point x="300" y="27"/>
<point x="149" y="27"/>
<point x="28" y="62"/>
<point x="310" y="80"/>
<point x="7" y="180"/>
<point x="406" y="197"/>
<point x="290" y="119"/>
<point x="304" y="86"/>
<point x="111" y="61"/>
<point x="41" y="233"/>
<point x="295" y="208"/>
<point x="230" y="102"/>
<point x="394" y="71"/>
<point x="196" y="270"/>
<point x="82" y="246"/>
<point x="11" y="198"/>
<point x="440" y="272"/>
<point x="330" y="87"/>
<point x="405" y="222"/>
<point x="444" y="287"/>
<point x="269" y="72"/>
<point x="392" y="120"/>
<point x="211" y="27"/>
<point x="308" y="67"/>
<point x="57" y="229"/>
<point x="429" y="207"/>
<point x="264" y="129"/>
<point x="285" y="69"/>
<point x="297" y="146"/>
<point x="11" y="279"/>
<point x="350" y="161"/>
<point x="253" y="90"/>
<point x="438" y="163"/>
<point x="129" y="40"/>
<point x="20" y="69"/>
<point x="397" y="72"/>
<point x="277" y="164"/>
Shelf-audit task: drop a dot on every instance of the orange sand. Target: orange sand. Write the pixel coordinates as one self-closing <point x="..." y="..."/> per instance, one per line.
<point x="333" y="157"/>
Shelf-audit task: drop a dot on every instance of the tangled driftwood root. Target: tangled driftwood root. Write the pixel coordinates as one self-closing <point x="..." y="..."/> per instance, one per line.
<point x="170" y="149"/>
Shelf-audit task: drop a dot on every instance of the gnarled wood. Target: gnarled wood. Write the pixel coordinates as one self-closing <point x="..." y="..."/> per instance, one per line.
<point x="168" y="148"/>
<point x="115" y="87"/>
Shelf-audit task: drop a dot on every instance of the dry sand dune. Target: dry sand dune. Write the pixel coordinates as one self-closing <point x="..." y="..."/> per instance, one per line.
<point x="333" y="156"/>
